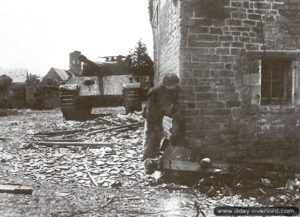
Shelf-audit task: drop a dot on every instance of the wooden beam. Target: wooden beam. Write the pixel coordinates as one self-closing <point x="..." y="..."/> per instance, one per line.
<point x="15" y="189"/>
<point x="66" y="132"/>
<point x="109" y="121"/>
<point x="116" y="128"/>
<point x="89" y="174"/>
<point x="181" y="165"/>
<point x="188" y="166"/>
<point x="58" y="133"/>
<point x="65" y="144"/>
<point x="293" y="54"/>
<point x="63" y="140"/>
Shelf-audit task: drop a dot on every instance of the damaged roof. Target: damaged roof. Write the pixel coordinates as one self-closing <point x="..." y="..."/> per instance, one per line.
<point x="63" y="74"/>
<point x="57" y="75"/>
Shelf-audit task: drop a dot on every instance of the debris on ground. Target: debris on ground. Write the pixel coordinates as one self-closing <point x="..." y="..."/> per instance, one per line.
<point x="15" y="189"/>
<point x="80" y="180"/>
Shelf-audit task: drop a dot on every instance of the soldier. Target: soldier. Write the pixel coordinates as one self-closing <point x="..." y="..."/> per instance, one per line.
<point x="161" y="101"/>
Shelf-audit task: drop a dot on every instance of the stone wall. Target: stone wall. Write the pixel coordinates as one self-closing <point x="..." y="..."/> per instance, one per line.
<point x="222" y="79"/>
<point x="222" y="45"/>
<point x="165" y="23"/>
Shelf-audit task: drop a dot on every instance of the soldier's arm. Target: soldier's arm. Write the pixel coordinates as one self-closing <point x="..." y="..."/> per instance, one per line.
<point x="174" y="107"/>
<point x="151" y="102"/>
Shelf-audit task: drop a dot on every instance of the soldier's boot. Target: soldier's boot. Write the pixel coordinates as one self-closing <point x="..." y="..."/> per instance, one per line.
<point x="151" y="164"/>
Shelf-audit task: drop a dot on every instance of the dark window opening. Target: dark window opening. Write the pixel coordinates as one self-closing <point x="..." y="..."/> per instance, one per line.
<point x="276" y="81"/>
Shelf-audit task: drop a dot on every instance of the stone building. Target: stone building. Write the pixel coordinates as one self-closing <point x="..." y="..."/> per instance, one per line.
<point x="239" y="65"/>
<point x="75" y="64"/>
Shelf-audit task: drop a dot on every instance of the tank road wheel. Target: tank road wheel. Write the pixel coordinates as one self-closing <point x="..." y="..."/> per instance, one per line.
<point x="70" y="107"/>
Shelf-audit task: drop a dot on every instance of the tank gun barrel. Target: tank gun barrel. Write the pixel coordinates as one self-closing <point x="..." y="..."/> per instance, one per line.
<point x="91" y="68"/>
<point x="85" y="60"/>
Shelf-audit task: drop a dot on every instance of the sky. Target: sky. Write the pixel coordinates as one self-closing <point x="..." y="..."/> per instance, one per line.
<point x="40" y="34"/>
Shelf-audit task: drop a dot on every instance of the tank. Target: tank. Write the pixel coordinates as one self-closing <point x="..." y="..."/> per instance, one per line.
<point x="105" y="84"/>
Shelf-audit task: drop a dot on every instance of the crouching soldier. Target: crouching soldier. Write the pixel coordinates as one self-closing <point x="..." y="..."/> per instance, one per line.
<point x="161" y="101"/>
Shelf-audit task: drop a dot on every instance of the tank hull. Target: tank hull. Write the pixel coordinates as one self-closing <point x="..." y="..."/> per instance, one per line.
<point x="80" y="94"/>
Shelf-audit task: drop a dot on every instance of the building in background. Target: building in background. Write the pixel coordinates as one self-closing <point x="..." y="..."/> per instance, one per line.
<point x="239" y="65"/>
<point x="32" y="92"/>
<point x="17" y="90"/>
<point x="75" y="64"/>
<point x="51" y="82"/>
<point x="56" y="76"/>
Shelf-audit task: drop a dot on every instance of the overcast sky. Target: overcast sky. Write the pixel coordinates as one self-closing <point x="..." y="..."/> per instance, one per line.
<point x="40" y="34"/>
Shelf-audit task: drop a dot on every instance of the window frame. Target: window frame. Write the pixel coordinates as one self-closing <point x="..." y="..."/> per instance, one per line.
<point x="255" y="58"/>
<point x="284" y="79"/>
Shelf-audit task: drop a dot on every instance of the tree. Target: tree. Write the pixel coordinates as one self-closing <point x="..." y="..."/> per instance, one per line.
<point x="35" y="92"/>
<point x="139" y="61"/>
<point x="32" y="80"/>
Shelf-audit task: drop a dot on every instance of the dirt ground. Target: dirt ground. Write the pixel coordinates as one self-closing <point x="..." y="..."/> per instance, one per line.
<point x="60" y="180"/>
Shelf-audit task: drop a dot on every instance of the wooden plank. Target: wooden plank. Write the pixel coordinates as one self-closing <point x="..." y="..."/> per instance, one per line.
<point x="191" y="166"/>
<point x="81" y="144"/>
<point x="63" y="140"/>
<point x="89" y="174"/>
<point x="181" y="165"/>
<point x="116" y="128"/>
<point x="294" y="54"/>
<point x="109" y="121"/>
<point x="66" y="132"/>
<point x="58" y="133"/>
<point x="15" y="189"/>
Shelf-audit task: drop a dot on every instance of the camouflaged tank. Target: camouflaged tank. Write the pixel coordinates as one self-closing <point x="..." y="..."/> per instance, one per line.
<point x="106" y="84"/>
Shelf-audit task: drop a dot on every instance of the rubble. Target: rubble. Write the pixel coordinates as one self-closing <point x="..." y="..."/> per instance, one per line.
<point x="84" y="175"/>
<point x="64" y="163"/>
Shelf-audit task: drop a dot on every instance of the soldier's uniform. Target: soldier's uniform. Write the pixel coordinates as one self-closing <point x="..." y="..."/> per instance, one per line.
<point x="161" y="101"/>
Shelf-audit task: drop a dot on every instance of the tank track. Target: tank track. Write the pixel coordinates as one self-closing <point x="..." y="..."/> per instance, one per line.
<point x="132" y="100"/>
<point x="70" y="107"/>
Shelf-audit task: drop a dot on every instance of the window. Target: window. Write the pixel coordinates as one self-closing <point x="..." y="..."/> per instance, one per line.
<point x="276" y="81"/>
